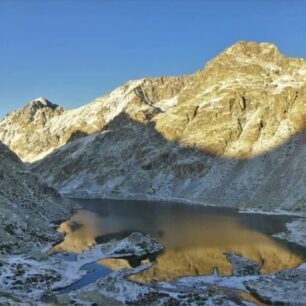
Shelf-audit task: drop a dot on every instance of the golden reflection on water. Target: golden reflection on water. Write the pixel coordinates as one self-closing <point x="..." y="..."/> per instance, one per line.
<point x="202" y="260"/>
<point x="194" y="245"/>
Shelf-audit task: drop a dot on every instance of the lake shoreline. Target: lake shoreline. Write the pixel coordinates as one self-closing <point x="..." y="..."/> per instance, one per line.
<point x="84" y="194"/>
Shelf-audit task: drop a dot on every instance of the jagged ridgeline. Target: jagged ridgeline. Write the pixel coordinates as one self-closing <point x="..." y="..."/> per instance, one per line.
<point x="229" y="134"/>
<point x="27" y="207"/>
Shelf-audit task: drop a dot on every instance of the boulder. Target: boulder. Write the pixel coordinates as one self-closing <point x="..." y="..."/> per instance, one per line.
<point x="284" y="288"/>
<point x="136" y="244"/>
<point x="242" y="266"/>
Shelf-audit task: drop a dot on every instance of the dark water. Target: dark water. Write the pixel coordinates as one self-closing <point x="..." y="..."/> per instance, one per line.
<point x="195" y="237"/>
<point x="94" y="272"/>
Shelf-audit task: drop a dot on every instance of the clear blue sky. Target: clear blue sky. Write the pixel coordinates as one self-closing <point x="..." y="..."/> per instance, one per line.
<point x="74" y="51"/>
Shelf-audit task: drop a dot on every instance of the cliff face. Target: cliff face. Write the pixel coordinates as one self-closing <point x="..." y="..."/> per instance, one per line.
<point x="230" y="134"/>
<point x="247" y="101"/>
<point x="27" y="207"/>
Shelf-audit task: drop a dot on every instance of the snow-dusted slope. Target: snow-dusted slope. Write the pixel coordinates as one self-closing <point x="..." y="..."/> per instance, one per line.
<point x="40" y="127"/>
<point x="27" y="207"/>
<point x="230" y="134"/>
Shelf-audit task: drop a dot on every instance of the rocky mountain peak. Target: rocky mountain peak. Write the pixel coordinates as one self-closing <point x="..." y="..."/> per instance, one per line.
<point x="17" y="128"/>
<point x="42" y="102"/>
<point x="252" y="58"/>
<point x="252" y="49"/>
<point x="40" y="105"/>
<point x="39" y="109"/>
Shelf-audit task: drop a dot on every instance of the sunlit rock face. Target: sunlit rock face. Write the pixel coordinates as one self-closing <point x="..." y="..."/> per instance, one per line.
<point x="229" y="134"/>
<point x="40" y="127"/>
<point x="247" y="101"/>
<point x="18" y="129"/>
<point x="27" y="207"/>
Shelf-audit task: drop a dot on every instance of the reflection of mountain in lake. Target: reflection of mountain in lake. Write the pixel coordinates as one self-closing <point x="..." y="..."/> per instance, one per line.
<point x="195" y="237"/>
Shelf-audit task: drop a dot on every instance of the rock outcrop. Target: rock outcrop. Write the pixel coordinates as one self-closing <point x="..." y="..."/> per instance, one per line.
<point x="28" y="206"/>
<point x="136" y="244"/>
<point x="242" y="266"/>
<point x="283" y="288"/>
<point x="230" y="134"/>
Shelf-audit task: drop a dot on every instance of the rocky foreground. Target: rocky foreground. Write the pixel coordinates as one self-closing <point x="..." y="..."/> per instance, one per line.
<point x="36" y="279"/>
<point x="231" y="134"/>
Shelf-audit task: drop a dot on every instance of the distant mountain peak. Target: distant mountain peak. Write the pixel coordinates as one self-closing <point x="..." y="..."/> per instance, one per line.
<point x="42" y="102"/>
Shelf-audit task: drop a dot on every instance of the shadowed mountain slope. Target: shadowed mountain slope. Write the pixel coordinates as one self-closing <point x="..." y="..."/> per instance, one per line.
<point x="130" y="159"/>
<point x="28" y="206"/>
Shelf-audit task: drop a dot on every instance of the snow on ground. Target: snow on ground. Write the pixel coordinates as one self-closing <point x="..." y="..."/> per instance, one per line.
<point x="35" y="275"/>
<point x="286" y="81"/>
<point x="168" y="103"/>
<point x="233" y="282"/>
<point x="296" y="232"/>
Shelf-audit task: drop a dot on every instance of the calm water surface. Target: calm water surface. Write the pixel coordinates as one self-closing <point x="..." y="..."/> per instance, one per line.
<point x="195" y="237"/>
